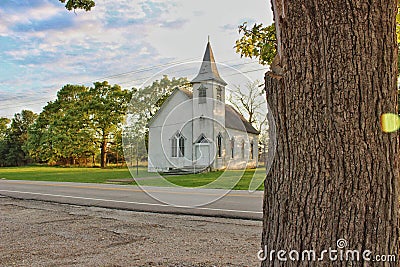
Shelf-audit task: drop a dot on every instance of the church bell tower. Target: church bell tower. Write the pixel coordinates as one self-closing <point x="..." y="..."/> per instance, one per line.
<point x="208" y="103"/>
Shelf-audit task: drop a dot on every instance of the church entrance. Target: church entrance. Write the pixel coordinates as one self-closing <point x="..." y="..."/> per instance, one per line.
<point x="202" y="151"/>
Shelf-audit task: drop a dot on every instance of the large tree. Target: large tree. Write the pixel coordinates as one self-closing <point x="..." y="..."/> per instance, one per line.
<point x="13" y="148"/>
<point x="335" y="174"/>
<point x="61" y="133"/>
<point x="107" y="106"/>
<point x="78" y="123"/>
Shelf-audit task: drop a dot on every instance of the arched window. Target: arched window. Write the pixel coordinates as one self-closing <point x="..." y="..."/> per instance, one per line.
<point x="251" y="150"/>
<point x="232" y="147"/>
<point x="219" y="145"/>
<point x="202" y="94"/>
<point x="178" y="145"/>
<point x="219" y="93"/>
<point x="242" y="149"/>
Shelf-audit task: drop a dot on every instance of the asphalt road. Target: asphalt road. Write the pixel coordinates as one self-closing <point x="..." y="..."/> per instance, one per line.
<point x="202" y="202"/>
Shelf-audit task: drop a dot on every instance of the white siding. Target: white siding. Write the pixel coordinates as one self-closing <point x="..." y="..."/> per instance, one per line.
<point x="175" y="116"/>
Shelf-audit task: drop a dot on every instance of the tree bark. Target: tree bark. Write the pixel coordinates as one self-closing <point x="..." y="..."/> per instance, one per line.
<point x="335" y="174"/>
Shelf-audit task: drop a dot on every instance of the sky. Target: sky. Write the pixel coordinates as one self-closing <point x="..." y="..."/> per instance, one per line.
<point x="125" y="42"/>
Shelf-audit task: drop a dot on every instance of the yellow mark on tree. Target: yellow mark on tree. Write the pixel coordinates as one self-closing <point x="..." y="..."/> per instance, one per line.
<point x="390" y="122"/>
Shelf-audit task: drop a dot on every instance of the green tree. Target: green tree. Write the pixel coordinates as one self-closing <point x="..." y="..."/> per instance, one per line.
<point x="61" y="132"/>
<point x="78" y="4"/>
<point x="106" y="106"/>
<point x="146" y="101"/>
<point x="398" y="23"/>
<point x="3" y="127"/>
<point x="257" y="42"/>
<point x="144" y="104"/>
<point x="260" y="42"/>
<point x="116" y="154"/>
<point x="13" y="146"/>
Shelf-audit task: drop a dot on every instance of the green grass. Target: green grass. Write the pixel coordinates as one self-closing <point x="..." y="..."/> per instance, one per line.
<point x="218" y="179"/>
<point x="60" y="174"/>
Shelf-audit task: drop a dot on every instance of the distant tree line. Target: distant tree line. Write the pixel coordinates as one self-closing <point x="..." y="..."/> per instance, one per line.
<point x="83" y="126"/>
<point x="87" y="125"/>
<point x="81" y="123"/>
<point x="13" y="139"/>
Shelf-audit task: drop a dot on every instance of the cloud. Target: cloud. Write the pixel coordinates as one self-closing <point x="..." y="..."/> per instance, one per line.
<point x="44" y="46"/>
<point x="174" y="24"/>
<point x="10" y="15"/>
<point x="229" y="27"/>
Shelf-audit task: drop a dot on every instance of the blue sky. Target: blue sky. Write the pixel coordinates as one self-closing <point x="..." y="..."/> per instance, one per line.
<point x="43" y="46"/>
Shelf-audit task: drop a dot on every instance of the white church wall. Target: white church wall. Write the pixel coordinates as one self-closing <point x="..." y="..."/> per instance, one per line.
<point x="176" y="116"/>
<point x="241" y="158"/>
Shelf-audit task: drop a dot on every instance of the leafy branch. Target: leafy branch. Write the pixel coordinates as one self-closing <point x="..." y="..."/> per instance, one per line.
<point x="78" y="4"/>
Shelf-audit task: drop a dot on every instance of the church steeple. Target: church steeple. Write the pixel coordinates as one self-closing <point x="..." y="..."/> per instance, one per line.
<point x="208" y="70"/>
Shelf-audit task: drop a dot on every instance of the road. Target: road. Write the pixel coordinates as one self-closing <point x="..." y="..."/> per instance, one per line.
<point x="217" y="202"/>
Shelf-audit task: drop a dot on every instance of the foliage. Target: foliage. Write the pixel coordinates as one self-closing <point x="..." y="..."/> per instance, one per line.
<point x="79" y="122"/>
<point x="398" y="22"/>
<point x="3" y="127"/>
<point x="144" y="105"/>
<point x="13" y="144"/>
<point x="60" y="132"/>
<point x="146" y="101"/>
<point x="78" y="4"/>
<point x="107" y="106"/>
<point x="258" y="42"/>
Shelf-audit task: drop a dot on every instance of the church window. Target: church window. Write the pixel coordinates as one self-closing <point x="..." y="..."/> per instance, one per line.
<point x="202" y="139"/>
<point x="232" y="147"/>
<point x="181" y="151"/>
<point x="178" y="145"/>
<point x="202" y="94"/>
<point x="251" y="150"/>
<point x="174" y="142"/>
<point x="219" y="145"/>
<point x="242" y="149"/>
<point x="219" y="93"/>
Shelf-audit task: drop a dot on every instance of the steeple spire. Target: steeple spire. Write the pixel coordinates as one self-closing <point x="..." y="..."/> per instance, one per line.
<point x="208" y="70"/>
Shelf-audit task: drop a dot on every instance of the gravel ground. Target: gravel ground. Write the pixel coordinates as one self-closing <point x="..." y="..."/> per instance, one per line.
<point x="35" y="233"/>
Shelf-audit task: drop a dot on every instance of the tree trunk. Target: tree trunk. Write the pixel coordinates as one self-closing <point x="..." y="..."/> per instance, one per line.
<point x="335" y="173"/>
<point x="103" y="152"/>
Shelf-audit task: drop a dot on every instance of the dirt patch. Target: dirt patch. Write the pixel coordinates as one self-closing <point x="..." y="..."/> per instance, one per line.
<point x="35" y="233"/>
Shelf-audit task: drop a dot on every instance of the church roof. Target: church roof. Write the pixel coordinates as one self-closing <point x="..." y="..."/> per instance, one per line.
<point x="233" y="119"/>
<point x="208" y="70"/>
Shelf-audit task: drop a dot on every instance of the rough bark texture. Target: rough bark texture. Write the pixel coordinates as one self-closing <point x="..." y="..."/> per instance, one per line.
<point x="335" y="173"/>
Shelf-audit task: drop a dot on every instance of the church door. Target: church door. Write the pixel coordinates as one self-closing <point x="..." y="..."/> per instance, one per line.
<point x="203" y="154"/>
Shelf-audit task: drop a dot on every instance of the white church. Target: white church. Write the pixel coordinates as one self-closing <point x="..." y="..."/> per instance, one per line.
<point x="195" y="130"/>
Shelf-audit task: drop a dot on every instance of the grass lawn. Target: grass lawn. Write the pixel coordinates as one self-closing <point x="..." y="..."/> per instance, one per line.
<point x="218" y="179"/>
<point x="60" y="174"/>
